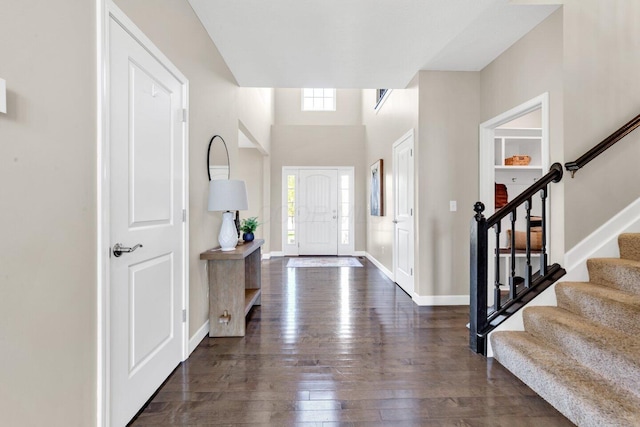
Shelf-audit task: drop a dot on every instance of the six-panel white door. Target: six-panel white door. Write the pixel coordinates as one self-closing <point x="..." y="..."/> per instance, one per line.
<point x="146" y="142"/>
<point x="318" y="212"/>
<point x="403" y="211"/>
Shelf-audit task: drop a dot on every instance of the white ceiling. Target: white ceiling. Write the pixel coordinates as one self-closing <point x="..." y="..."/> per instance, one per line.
<point x="360" y="43"/>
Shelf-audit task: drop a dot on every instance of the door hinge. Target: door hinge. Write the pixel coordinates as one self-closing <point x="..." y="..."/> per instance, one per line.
<point x="184" y="115"/>
<point x="411" y="211"/>
<point x="411" y="271"/>
<point x="184" y="315"/>
<point x="411" y="152"/>
<point x="184" y="215"/>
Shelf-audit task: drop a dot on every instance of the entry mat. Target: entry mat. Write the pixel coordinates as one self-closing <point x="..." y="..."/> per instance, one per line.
<point x="323" y="262"/>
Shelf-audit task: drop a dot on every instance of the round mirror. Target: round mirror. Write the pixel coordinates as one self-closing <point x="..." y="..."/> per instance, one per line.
<point x="218" y="159"/>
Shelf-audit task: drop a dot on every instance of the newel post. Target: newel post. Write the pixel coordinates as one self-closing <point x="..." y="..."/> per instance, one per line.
<point x="478" y="292"/>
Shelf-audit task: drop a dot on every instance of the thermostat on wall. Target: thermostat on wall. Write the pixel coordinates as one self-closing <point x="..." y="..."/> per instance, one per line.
<point x="3" y="96"/>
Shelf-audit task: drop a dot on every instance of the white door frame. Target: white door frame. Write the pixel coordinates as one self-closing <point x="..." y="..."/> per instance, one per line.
<point x="343" y="250"/>
<point x="402" y="139"/>
<point x="105" y="10"/>
<point x="487" y="134"/>
<point x="486" y="164"/>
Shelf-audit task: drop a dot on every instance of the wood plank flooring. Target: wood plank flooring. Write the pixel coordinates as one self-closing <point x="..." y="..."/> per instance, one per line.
<point x="344" y="347"/>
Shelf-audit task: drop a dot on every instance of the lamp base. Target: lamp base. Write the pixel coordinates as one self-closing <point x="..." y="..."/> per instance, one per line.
<point x="228" y="237"/>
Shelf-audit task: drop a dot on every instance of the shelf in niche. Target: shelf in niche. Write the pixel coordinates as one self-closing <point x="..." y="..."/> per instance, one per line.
<point x="518" y="167"/>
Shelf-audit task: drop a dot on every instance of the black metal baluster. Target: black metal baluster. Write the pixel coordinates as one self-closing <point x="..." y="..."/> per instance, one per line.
<point x="543" y="249"/>
<point x="527" y="273"/>
<point x="496" y="290"/>
<point x="512" y="277"/>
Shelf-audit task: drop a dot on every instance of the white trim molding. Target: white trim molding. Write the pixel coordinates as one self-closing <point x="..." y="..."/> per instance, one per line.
<point x="602" y="243"/>
<point x="380" y="267"/>
<point x="197" y="338"/>
<point x="433" y="300"/>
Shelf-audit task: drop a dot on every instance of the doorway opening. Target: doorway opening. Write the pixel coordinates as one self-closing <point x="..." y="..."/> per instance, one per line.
<point x="514" y="153"/>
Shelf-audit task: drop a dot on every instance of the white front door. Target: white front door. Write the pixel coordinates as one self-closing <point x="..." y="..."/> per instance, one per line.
<point x="146" y="143"/>
<point x="318" y="212"/>
<point x="403" y="211"/>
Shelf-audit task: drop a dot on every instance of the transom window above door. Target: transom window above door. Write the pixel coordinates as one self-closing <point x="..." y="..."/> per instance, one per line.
<point x="318" y="99"/>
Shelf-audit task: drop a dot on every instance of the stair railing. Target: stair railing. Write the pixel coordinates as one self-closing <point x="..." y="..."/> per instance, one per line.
<point x="482" y="318"/>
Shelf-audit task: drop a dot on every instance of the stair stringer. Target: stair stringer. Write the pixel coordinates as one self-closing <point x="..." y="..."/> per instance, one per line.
<point x="602" y="243"/>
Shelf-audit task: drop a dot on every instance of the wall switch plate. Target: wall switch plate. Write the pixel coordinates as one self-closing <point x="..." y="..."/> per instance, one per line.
<point x="453" y="205"/>
<point x="3" y="96"/>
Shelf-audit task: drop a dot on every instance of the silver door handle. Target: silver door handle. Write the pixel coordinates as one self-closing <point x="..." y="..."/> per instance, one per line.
<point x="395" y="221"/>
<point x="118" y="249"/>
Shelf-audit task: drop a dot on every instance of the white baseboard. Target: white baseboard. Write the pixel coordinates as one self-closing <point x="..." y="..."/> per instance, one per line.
<point x="602" y="243"/>
<point x="276" y="254"/>
<point x="359" y="253"/>
<point x="381" y="267"/>
<point x="266" y="256"/>
<point x="198" y="336"/>
<point x="432" y="300"/>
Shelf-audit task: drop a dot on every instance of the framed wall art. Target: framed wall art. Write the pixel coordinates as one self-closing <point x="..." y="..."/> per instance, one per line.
<point x="376" y="199"/>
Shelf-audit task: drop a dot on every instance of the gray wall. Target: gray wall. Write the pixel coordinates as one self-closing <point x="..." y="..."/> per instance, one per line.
<point x="48" y="216"/>
<point x="527" y="69"/>
<point x="251" y="169"/>
<point x="447" y="170"/>
<point x="398" y="115"/>
<point x="288" y="109"/>
<point x="601" y="92"/>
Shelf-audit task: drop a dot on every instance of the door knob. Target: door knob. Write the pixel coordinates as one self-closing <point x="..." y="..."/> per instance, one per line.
<point x="395" y="221"/>
<point x="118" y="249"/>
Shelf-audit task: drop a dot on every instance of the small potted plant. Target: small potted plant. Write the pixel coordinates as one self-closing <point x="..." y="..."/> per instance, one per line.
<point x="248" y="227"/>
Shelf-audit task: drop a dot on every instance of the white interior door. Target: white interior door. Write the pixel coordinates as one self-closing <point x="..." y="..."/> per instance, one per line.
<point x="318" y="212"/>
<point x="146" y="143"/>
<point x="403" y="211"/>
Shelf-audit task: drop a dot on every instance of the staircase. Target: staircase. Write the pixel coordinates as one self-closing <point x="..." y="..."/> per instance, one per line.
<point x="583" y="356"/>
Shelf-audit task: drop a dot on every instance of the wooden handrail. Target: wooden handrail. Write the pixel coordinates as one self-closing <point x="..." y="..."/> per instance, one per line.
<point x="581" y="161"/>
<point x="554" y="175"/>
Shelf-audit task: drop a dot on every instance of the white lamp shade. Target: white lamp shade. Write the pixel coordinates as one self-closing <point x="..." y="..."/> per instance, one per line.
<point x="227" y="195"/>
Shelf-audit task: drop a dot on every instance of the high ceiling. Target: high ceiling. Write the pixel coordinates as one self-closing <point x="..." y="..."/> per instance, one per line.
<point x="360" y="43"/>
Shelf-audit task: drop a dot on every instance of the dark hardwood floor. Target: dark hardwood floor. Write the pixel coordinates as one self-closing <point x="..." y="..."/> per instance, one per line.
<point x="344" y="347"/>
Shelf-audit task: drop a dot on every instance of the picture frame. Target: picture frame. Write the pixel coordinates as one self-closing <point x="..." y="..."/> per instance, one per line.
<point x="376" y="195"/>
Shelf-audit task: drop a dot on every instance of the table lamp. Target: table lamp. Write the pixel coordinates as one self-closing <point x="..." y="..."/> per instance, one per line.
<point x="228" y="196"/>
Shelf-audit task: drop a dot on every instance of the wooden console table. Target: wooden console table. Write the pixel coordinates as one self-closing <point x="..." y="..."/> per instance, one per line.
<point x="234" y="286"/>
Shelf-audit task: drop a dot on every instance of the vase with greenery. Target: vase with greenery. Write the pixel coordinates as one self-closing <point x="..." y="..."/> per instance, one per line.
<point x="248" y="227"/>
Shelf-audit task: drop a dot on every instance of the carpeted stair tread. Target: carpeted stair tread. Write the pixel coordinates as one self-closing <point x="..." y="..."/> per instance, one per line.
<point x="616" y="273"/>
<point x="629" y="244"/>
<point x="584" y="397"/>
<point x="592" y="300"/>
<point x="609" y="353"/>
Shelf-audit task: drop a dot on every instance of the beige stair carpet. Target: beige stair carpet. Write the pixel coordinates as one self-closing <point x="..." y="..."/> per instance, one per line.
<point x="583" y="356"/>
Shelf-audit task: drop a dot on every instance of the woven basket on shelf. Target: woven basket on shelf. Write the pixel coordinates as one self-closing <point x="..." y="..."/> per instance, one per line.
<point x="517" y="161"/>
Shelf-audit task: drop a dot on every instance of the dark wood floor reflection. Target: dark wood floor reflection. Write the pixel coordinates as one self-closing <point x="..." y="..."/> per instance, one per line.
<point x="344" y="347"/>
